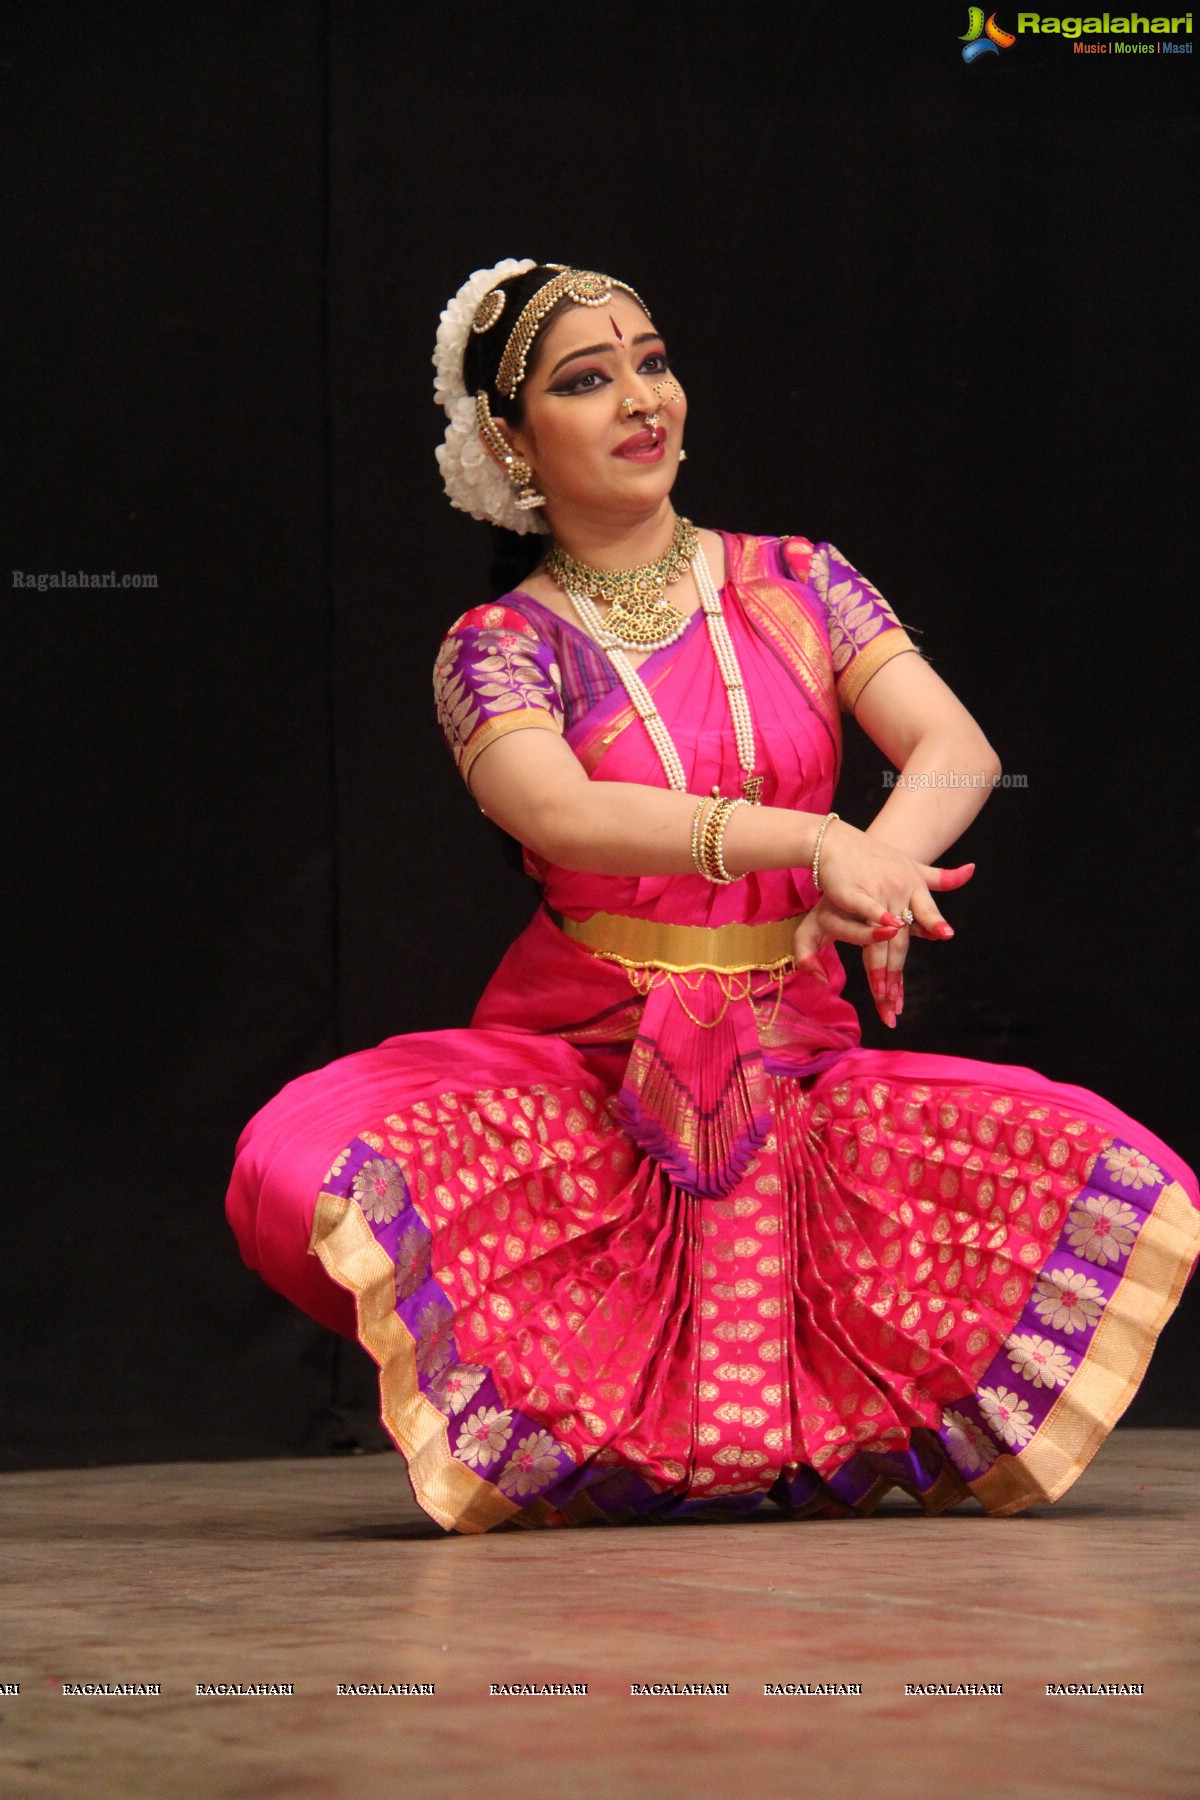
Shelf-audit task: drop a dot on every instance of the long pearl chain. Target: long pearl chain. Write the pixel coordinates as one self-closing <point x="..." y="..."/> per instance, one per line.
<point x="727" y="662"/>
<point x="643" y="701"/>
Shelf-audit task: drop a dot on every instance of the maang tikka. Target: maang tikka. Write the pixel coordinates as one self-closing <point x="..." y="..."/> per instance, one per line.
<point x="526" y="497"/>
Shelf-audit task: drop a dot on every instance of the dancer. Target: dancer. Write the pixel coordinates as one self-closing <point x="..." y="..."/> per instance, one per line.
<point x="654" y="1235"/>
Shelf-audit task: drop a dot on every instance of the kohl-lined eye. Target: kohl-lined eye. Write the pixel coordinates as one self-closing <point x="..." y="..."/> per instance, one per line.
<point x="577" y="383"/>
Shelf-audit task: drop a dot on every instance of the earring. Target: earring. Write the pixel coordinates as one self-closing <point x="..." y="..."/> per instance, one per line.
<point x="519" y="473"/>
<point x="683" y="456"/>
<point x="527" y="498"/>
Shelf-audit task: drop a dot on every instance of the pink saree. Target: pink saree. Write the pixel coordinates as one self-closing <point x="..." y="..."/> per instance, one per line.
<point x="642" y="1243"/>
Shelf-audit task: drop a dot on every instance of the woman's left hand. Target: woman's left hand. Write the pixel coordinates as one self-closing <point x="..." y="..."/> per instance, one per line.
<point x="884" y="964"/>
<point x="883" y="961"/>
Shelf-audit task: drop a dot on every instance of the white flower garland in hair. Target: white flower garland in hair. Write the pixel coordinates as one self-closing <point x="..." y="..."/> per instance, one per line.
<point x="473" y="479"/>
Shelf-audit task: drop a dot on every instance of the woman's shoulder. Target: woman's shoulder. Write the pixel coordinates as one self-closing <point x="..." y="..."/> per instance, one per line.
<point x="813" y="562"/>
<point x="770" y="556"/>
<point x="508" y="613"/>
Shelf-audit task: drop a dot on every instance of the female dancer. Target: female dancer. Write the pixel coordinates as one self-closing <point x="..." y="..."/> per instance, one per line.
<point x="655" y="1234"/>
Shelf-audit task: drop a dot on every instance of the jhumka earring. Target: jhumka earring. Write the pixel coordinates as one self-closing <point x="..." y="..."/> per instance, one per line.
<point x="526" y="496"/>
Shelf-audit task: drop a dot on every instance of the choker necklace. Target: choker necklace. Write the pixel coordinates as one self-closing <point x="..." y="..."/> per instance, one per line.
<point x="726" y="656"/>
<point x="641" y="616"/>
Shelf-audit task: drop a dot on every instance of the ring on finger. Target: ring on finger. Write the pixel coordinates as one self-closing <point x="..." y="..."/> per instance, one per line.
<point x="907" y="915"/>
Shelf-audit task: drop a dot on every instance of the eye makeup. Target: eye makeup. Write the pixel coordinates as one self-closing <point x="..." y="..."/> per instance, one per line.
<point x="572" y="383"/>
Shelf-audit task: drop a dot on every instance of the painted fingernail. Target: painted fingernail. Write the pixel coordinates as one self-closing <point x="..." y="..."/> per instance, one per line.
<point x="878" y="982"/>
<point x="882" y="933"/>
<point x="889" y="918"/>
<point x="889" y="1018"/>
<point x="944" y="930"/>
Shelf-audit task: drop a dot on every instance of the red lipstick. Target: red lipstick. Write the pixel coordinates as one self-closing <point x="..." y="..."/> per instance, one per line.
<point x="643" y="446"/>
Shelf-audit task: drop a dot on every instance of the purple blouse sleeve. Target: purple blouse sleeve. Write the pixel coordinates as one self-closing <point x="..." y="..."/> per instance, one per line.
<point x="864" y="632"/>
<point x="494" y="674"/>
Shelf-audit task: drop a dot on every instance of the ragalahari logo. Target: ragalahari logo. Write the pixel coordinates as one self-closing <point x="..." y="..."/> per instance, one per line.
<point x="983" y="39"/>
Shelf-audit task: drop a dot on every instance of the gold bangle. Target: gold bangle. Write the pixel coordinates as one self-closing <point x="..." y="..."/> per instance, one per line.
<point x="700" y="806"/>
<point x="708" y="839"/>
<point x="719" y="849"/>
<point x="712" y="840"/>
<point x="816" y="861"/>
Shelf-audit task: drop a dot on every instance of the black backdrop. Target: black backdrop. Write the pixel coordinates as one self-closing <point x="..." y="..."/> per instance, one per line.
<point x="937" y="313"/>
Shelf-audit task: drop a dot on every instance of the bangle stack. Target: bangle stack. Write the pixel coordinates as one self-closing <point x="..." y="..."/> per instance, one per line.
<point x="700" y="806"/>
<point x="708" y="840"/>
<point x="826" y="822"/>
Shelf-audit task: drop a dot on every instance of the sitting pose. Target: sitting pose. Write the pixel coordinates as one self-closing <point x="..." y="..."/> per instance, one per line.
<point x="654" y="1235"/>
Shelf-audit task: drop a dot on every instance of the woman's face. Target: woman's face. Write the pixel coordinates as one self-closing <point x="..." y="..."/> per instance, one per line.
<point x="587" y="450"/>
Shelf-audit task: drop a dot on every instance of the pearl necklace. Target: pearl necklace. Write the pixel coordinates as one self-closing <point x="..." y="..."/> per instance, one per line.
<point x="643" y="700"/>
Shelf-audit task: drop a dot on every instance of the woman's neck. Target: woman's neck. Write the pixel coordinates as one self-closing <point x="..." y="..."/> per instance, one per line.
<point x="603" y="541"/>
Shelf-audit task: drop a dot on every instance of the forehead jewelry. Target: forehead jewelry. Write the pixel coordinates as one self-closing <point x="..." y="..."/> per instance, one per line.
<point x="583" y="286"/>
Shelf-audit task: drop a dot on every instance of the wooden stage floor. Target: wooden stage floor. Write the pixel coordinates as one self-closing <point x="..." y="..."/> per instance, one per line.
<point x="319" y="1572"/>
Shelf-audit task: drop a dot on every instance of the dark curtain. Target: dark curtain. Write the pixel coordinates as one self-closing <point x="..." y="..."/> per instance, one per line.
<point x="938" y="313"/>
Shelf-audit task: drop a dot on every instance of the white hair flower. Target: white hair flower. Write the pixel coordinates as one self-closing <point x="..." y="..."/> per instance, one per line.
<point x="473" y="479"/>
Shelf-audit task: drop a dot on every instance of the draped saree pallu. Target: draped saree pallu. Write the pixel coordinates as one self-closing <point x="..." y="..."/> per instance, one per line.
<point x="655" y="1236"/>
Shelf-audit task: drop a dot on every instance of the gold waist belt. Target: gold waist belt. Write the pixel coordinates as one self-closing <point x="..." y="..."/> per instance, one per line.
<point x="652" y="943"/>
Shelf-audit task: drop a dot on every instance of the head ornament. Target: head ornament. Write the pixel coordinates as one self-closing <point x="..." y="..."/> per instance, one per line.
<point x="475" y="482"/>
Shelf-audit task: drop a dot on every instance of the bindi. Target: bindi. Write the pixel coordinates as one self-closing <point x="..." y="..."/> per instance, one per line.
<point x="620" y="335"/>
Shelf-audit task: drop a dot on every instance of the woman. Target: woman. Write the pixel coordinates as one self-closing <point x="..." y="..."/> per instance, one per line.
<point x="655" y="1235"/>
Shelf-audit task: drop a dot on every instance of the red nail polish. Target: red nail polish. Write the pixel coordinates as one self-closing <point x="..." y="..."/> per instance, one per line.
<point x="944" y="930"/>
<point x="883" y="933"/>
<point x="889" y="918"/>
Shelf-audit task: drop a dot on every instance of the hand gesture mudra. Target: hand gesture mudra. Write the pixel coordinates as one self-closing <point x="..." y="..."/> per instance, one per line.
<point x="877" y="896"/>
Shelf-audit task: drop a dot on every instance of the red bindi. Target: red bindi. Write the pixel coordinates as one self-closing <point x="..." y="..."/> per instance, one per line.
<point x="617" y="329"/>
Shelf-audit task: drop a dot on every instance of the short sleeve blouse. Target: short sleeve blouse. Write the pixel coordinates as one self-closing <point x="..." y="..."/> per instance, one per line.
<point x="864" y="632"/>
<point x="494" y="674"/>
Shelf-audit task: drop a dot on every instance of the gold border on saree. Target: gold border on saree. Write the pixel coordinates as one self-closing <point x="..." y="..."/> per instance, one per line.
<point x="655" y="943"/>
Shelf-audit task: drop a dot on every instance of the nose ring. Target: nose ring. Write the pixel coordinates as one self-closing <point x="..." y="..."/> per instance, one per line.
<point x="629" y="406"/>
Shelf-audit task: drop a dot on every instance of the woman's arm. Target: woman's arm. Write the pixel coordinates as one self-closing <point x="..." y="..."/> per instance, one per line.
<point x="533" y="785"/>
<point x="924" y="729"/>
<point x="907" y="710"/>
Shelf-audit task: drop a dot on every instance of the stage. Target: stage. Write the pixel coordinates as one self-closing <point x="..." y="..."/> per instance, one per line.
<point x="322" y="1573"/>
